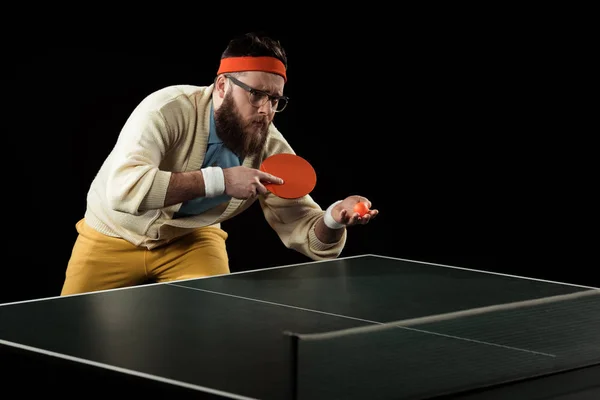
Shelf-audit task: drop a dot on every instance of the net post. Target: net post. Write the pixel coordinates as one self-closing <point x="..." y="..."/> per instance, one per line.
<point x="293" y="340"/>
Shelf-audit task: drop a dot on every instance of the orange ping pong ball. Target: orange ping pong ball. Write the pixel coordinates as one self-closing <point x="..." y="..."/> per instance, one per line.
<point x="361" y="208"/>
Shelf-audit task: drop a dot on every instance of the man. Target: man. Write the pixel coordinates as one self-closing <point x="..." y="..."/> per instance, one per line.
<point x="187" y="159"/>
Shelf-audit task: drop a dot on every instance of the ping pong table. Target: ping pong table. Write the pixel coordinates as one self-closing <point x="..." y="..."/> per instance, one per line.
<point x="360" y="327"/>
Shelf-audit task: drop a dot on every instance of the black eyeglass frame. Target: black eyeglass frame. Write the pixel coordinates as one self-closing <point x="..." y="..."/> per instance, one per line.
<point x="254" y="91"/>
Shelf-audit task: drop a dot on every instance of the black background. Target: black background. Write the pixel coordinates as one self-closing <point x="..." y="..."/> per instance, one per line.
<point x="428" y="123"/>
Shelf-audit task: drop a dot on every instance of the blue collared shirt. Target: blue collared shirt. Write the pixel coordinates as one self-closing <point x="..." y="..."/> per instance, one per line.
<point x="216" y="155"/>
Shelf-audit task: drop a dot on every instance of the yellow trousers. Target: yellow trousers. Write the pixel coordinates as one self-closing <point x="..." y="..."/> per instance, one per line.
<point x="100" y="262"/>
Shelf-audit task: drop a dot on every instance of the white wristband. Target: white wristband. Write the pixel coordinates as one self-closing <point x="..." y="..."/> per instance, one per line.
<point x="328" y="218"/>
<point x="214" y="181"/>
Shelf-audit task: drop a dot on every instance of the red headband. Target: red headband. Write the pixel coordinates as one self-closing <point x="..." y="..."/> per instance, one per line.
<point x="265" y="64"/>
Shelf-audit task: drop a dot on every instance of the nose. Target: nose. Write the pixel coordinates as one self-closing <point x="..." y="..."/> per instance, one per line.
<point x="266" y="109"/>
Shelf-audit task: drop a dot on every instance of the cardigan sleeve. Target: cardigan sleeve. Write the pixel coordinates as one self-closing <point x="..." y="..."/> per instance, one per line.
<point x="135" y="182"/>
<point x="294" y="221"/>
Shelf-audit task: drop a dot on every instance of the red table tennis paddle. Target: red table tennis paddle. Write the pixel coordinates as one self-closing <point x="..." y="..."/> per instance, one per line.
<point x="299" y="177"/>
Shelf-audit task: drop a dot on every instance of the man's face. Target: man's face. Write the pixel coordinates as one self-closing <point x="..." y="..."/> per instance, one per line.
<point x="243" y="122"/>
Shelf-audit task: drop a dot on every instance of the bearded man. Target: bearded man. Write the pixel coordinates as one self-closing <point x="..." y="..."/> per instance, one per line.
<point x="187" y="159"/>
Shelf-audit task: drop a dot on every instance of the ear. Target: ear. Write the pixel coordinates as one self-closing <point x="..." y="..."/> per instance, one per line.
<point x="220" y="86"/>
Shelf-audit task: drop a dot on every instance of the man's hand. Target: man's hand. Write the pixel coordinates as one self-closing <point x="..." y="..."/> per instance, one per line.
<point x="344" y="213"/>
<point x="246" y="183"/>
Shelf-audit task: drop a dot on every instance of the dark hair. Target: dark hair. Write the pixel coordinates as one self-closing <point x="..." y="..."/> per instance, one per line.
<point x="255" y="45"/>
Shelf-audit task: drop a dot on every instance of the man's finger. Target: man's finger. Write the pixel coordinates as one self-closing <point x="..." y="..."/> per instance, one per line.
<point x="270" y="178"/>
<point x="261" y="189"/>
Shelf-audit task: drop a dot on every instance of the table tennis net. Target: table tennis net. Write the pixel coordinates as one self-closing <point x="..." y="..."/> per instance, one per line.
<point x="450" y="353"/>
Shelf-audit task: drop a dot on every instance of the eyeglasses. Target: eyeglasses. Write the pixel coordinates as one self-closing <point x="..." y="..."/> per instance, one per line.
<point x="258" y="98"/>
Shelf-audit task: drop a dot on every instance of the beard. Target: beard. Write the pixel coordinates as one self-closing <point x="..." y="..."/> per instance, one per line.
<point x="244" y="138"/>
